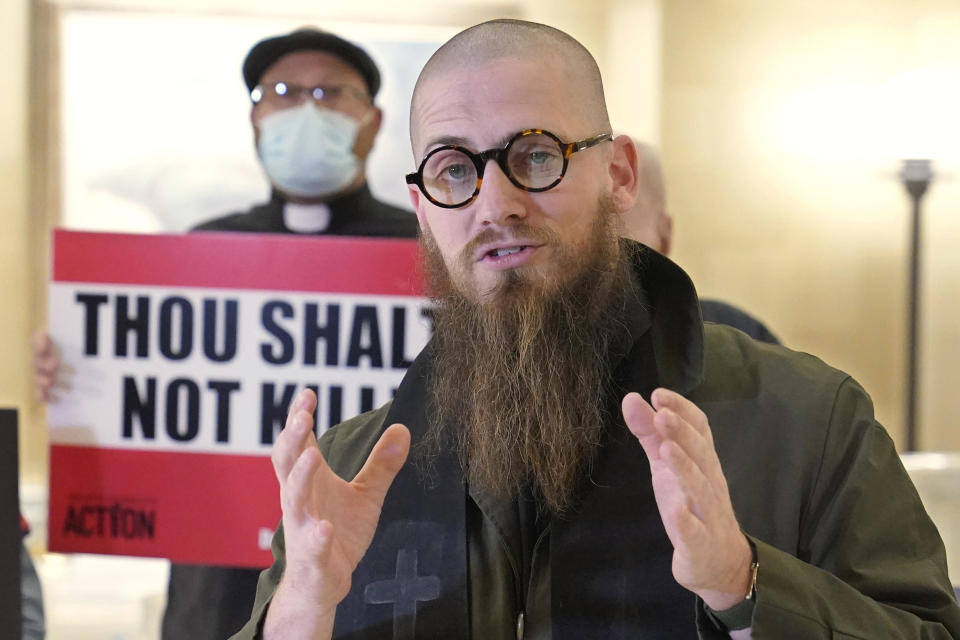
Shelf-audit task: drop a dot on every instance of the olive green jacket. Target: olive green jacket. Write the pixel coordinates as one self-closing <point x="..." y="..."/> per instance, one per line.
<point x="845" y="547"/>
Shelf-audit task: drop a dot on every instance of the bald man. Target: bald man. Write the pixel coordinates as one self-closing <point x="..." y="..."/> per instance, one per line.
<point x="649" y="222"/>
<point x="587" y="459"/>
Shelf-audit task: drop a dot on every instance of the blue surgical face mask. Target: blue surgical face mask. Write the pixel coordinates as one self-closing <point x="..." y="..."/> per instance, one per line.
<point x="308" y="151"/>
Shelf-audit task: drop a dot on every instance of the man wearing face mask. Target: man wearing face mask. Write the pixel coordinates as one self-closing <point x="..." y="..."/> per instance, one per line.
<point x="314" y="123"/>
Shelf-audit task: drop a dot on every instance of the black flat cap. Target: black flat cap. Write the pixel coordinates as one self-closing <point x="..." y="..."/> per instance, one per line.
<point x="266" y="52"/>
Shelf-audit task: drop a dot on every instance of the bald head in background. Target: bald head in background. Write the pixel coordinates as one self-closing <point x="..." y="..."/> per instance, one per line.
<point x="648" y="221"/>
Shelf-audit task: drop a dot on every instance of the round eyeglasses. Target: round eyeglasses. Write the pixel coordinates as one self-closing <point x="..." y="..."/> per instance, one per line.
<point x="533" y="160"/>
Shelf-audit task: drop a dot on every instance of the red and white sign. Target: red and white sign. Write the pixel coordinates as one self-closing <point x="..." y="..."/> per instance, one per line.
<point x="181" y="354"/>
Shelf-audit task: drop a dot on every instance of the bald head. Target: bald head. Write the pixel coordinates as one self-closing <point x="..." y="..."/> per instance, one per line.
<point x="648" y="221"/>
<point x="651" y="174"/>
<point x="496" y="40"/>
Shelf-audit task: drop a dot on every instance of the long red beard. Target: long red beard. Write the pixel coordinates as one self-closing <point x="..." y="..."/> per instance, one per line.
<point x="522" y="379"/>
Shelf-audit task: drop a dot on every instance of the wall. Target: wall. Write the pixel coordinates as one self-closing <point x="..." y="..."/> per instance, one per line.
<point x="781" y="182"/>
<point x="19" y="283"/>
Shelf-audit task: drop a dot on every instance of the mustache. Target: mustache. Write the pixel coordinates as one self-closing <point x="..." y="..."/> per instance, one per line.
<point x="504" y="234"/>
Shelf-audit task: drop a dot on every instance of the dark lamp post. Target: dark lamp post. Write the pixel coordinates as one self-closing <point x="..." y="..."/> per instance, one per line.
<point x="916" y="176"/>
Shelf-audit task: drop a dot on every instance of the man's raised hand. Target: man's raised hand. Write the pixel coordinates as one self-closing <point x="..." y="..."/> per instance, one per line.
<point x="711" y="555"/>
<point x="328" y="523"/>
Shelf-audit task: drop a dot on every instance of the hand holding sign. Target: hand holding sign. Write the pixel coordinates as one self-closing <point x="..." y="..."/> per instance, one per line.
<point x="46" y="365"/>
<point x="328" y="523"/>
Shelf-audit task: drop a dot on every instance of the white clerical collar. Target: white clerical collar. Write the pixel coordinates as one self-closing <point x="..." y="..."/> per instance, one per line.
<point x="306" y="218"/>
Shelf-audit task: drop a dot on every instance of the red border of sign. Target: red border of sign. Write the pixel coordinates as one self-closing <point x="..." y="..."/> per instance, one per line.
<point x="334" y="264"/>
<point x="190" y="495"/>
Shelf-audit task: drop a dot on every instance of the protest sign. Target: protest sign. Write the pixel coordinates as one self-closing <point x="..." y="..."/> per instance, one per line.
<point x="182" y="353"/>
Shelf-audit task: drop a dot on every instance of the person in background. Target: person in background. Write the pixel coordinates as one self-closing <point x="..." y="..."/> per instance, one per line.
<point x="649" y="222"/>
<point x="314" y="125"/>
<point x="587" y="458"/>
<point x="33" y="626"/>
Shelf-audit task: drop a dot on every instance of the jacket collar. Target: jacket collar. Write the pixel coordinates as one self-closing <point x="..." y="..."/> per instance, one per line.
<point x="672" y="313"/>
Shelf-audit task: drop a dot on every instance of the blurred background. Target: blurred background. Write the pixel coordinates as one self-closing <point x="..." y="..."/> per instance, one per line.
<point x="782" y="127"/>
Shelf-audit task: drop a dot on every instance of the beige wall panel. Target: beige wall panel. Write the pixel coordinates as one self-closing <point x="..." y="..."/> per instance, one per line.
<point x="937" y="37"/>
<point x="783" y="194"/>
<point x="17" y="310"/>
